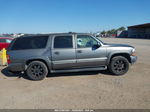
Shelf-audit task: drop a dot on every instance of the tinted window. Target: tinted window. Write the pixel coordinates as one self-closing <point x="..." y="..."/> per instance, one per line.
<point x="85" y="41"/>
<point x="63" y="42"/>
<point x="2" y="40"/>
<point x="30" y="43"/>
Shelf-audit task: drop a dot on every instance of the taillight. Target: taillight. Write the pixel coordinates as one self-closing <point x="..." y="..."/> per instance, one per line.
<point x="8" y="59"/>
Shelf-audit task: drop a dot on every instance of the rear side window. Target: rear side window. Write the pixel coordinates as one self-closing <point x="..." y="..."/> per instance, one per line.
<point x="63" y="42"/>
<point x="30" y="43"/>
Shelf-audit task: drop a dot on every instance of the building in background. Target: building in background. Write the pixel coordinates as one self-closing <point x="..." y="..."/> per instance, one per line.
<point x="123" y="34"/>
<point x="139" y="31"/>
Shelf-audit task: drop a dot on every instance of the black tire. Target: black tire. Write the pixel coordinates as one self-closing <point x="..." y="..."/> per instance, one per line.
<point x="119" y="65"/>
<point x="37" y="70"/>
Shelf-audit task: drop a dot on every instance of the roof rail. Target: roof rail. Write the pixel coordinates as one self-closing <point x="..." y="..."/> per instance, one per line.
<point x="72" y="32"/>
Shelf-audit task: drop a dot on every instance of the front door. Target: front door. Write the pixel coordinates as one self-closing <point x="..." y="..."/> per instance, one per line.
<point x="63" y="52"/>
<point x="87" y="55"/>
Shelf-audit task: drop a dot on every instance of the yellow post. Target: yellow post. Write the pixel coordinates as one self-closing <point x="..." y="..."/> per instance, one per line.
<point x="4" y="58"/>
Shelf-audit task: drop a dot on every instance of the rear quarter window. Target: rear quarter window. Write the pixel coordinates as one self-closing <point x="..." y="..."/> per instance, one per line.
<point x="30" y="43"/>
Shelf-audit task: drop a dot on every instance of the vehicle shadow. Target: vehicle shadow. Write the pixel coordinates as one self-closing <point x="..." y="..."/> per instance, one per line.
<point x="9" y="74"/>
<point x="23" y="75"/>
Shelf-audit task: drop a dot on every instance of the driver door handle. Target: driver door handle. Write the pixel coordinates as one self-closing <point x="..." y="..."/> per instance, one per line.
<point x="79" y="51"/>
<point x="57" y="53"/>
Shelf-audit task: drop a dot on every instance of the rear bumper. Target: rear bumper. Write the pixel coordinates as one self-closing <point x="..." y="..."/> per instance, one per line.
<point x="16" y="67"/>
<point x="133" y="59"/>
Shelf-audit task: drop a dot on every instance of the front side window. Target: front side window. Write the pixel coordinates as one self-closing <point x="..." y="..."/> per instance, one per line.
<point x="30" y="43"/>
<point x="85" y="41"/>
<point x="63" y="42"/>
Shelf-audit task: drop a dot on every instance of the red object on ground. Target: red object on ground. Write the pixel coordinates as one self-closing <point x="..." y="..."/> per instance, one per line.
<point x="4" y="42"/>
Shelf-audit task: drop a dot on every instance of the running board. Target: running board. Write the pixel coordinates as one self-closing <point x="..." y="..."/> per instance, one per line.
<point x="80" y="70"/>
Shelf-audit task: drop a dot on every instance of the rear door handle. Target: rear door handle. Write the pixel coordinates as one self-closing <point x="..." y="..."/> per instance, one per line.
<point x="57" y="53"/>
<point x="79" y="51"/>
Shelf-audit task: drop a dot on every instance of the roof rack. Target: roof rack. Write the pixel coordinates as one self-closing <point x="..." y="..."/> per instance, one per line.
<point x="72" y="32"/>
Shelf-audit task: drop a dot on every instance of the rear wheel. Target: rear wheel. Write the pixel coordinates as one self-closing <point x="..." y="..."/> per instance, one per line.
<point x="119" y="65"/>
<point x="37" y="70"/>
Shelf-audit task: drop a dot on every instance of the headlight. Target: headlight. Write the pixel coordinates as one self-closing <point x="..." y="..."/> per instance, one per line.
<point x="133" y="52"/>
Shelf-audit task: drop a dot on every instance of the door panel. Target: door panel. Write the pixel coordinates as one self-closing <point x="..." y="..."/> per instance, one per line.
<point x="87" y="56"/>
<point x="63" y="58"/>
<point x="91" y="58"/>
<point x="63" y="52"/>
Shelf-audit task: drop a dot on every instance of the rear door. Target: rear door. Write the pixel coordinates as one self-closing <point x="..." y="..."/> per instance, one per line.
<point x="63" y="52"/>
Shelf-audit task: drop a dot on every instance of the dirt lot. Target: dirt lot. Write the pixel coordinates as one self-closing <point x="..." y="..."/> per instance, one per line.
<point x="92" y="90"/>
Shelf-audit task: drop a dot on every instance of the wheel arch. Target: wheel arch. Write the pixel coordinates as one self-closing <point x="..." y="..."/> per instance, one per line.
<point x="126" y="55"/>
<point x="38" y="59"/>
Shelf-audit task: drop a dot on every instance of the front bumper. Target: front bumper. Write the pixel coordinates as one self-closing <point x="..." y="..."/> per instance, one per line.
<point x="133" y="59"/>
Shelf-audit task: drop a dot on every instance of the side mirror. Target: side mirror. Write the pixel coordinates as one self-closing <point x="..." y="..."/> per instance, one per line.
<point x="99" y="44"/>
<point x="96" y="46"/>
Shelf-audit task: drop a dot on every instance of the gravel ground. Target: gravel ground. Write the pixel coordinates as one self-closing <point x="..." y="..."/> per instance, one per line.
<point x="86" y="90"/>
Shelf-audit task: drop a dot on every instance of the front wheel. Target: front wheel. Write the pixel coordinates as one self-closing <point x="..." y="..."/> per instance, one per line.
<point x="119" y="65"/>
<point x="37" y="70"/>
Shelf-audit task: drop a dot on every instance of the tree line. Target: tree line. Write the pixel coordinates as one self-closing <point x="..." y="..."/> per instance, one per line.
<point x="113" y="31"/>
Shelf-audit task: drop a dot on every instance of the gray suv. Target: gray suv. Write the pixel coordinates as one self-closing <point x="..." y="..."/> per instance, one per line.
<point x="38" y="55"/>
